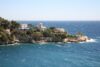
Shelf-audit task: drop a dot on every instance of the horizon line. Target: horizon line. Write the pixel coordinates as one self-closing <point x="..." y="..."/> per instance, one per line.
<point x="58" y="20"/>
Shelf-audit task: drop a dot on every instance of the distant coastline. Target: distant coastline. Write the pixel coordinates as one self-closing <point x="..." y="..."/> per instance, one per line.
<point x="13" y="32"/>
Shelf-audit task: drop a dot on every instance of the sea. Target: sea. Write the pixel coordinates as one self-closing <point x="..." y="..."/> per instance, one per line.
<point x="85" y="54"/>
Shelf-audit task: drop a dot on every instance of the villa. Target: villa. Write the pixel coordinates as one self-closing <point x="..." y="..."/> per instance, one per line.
<point x="41" y="27"/>
<point x="61" y="30"/>
<point x="24" y="26"/>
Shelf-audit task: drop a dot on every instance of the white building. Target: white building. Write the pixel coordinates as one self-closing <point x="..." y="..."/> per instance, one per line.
<point x="60" y="29"/>
<point x="24" y="26"/>
<point x="40" y="26"/>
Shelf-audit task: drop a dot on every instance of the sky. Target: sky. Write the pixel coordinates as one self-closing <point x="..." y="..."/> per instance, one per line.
<point x="50" y="9"/>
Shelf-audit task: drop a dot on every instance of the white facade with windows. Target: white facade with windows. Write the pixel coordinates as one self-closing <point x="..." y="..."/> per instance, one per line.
<point x="40" y="26"/>
<point x="24" y="26"/>
<point x="60" y="29"/>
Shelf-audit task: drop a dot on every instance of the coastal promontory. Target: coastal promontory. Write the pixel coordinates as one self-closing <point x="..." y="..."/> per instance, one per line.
<point x="14" y="32"/>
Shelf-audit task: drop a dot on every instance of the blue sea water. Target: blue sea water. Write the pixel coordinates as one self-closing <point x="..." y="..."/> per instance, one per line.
<point x="53" y="54"/>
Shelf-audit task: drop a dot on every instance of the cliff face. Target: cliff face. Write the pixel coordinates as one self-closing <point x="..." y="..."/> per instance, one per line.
<point x="5" y="37"/>
<point x="24" y="39"/>
<point x="6" y="26"/>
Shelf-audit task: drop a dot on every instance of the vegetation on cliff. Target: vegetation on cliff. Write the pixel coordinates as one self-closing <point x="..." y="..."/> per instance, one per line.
<point x="5" y="27"/>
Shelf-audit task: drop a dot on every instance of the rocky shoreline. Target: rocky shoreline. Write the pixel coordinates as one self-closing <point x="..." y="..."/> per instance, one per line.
<point x="43" y="43"/>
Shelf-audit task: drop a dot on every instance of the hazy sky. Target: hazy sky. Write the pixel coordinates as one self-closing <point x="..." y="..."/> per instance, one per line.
<point x="50" y="9"/>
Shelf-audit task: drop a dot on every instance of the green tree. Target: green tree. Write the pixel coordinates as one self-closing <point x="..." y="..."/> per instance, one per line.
<point x="4" y="24"/>
<point x="71" y="36"/>
<point x="37" y="35"/>
<point x="4" y="38"/>
<point x="47" y="33"/>
<point x="14" y="25"/>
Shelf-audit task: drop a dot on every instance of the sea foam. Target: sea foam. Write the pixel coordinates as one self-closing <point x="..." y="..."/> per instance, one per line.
<point x="91" y="40"/>
<point x="11" y="44"/>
